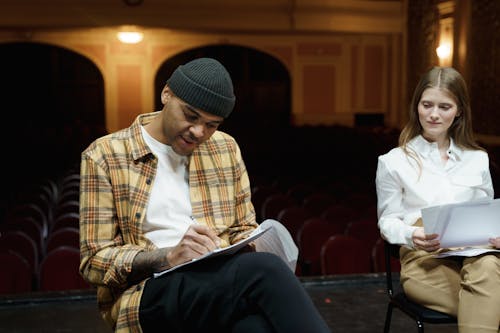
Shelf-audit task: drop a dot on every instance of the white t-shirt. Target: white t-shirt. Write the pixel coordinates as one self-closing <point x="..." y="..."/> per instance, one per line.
<point x="402" y="190"/>
<point x="168" y="214"/>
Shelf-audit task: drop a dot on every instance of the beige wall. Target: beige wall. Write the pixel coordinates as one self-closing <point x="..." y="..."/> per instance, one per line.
<point x="343" y="56"/>
<point x="334" y="75"/>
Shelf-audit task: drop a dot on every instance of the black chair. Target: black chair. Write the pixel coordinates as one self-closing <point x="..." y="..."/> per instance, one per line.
<point x="398" y="299"/>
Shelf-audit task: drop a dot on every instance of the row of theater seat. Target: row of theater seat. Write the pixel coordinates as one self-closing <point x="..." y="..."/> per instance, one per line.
<point x="39" y="239"/>
<point x="335" y="229"/>
<point x="336" y="232"/>
<point x="57" y="271"/>
<point x="326" y="248"/>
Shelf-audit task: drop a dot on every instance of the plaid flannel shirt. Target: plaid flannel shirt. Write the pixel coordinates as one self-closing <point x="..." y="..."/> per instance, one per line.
<point x="117" y="174"/>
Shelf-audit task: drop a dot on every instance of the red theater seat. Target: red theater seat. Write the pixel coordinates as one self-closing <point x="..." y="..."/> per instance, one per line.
<point x="342" y="254"/>
<point x="59" y="270"/>
<point x="16" y="275"/>
<point x="310" y="237"/>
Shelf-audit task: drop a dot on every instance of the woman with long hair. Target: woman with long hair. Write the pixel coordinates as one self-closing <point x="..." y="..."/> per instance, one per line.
<point x="438" y="162"/>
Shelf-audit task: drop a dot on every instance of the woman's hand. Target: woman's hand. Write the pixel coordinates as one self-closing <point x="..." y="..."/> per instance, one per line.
<point x="426" y="242"/>
<point x="495" y="242"/>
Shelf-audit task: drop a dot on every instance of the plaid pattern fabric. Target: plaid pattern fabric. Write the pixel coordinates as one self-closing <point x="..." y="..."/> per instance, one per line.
<point x="117" y="174"/>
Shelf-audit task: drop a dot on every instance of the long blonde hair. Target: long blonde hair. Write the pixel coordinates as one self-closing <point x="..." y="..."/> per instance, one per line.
<point x="450" y="80"/>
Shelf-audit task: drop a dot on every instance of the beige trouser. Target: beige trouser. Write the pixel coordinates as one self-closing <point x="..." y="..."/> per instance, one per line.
<point x="468" y="288"/>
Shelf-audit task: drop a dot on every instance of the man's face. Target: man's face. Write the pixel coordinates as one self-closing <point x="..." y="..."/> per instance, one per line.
<point x="185" y="127"/>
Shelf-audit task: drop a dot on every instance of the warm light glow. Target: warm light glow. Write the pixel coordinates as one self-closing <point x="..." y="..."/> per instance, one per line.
<point x="130" y="37"/>
<point x="446" y="36"/>
<point x="444" y="51"/>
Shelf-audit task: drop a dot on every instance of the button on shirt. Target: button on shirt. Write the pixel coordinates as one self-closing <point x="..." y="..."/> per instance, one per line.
<point x="407" y="183"/>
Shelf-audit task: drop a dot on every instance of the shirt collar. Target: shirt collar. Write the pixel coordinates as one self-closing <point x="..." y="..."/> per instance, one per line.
<point x="139" y="147"/>
<point x="162" y="148"/>
<point x="425" y="148"/>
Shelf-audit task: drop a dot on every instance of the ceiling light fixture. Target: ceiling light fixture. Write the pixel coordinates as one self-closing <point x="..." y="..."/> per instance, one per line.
<point x="130" y="35"/>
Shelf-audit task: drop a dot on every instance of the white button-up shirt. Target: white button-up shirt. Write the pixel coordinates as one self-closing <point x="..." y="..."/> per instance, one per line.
<point x="404" y="187"/>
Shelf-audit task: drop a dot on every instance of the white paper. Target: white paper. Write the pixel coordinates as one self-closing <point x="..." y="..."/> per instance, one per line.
<point x="470" y="223"/>
<point x="276" y="240"/>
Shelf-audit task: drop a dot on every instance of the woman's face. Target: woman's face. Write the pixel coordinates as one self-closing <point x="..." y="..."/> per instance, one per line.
<point x="436" y="111"/>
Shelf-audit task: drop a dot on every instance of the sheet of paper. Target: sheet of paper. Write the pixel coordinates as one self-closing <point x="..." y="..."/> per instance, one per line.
<point x="222" y="251"/>
<point x="430" y="216"/>
<point x="278" y="241"/>
<point x="464" y="224"/>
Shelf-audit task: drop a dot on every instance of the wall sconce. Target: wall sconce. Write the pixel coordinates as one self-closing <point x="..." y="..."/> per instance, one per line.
<point x="130" y="35"/>
<point x="444" y="51"/>
<point x="446" y="26"/>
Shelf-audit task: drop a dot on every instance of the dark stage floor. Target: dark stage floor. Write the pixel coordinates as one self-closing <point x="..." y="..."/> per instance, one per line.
<point x="348" y="303"/>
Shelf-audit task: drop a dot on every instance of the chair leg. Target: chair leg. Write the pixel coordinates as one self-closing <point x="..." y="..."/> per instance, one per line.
<point x="388" y="317"/>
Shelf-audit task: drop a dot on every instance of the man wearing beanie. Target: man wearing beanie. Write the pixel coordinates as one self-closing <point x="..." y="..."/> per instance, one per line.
<point x="169" y="189"/>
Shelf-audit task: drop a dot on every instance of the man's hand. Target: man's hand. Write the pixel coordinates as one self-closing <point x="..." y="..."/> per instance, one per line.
<point x="426" y="242"/>
<point x="197" y="241"/>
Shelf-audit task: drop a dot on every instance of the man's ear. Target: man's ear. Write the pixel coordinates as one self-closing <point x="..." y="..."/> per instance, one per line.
<point x="165" y="95"/>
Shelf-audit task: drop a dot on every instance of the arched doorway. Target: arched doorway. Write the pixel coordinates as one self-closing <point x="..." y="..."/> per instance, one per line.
<point x="53" y="107"/>
<point x="261" y="84"/>
<point x="263" y="94"/>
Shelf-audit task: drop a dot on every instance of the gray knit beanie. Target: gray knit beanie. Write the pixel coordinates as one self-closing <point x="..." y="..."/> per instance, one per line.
<point x="205" y="84"/>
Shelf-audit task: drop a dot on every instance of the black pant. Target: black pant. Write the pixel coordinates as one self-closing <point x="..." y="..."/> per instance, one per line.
<point x="248" y="292"/>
